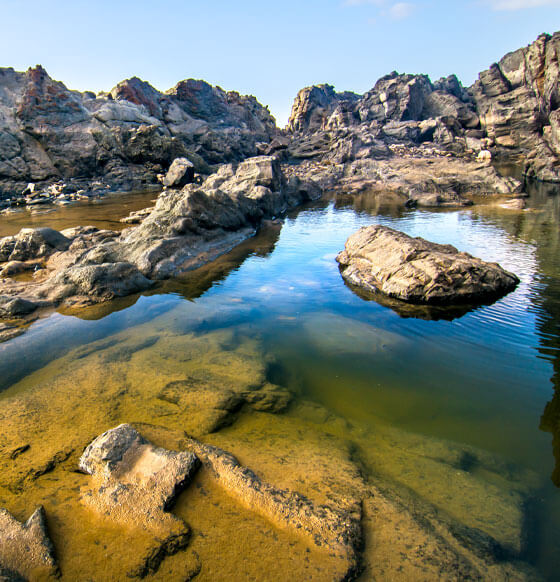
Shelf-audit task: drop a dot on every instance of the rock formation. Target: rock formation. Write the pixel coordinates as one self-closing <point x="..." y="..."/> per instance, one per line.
<point x="185" y="229"/>
<point x="119" y="140"/>
<point x="378" y="258"/>
<point x="26" y="551"/>
<point x="517" y="100"/>
<point x="435" y="134"/>
<point x="136" y="484"/>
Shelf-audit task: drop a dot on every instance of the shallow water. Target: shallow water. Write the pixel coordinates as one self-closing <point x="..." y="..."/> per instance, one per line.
<point x="102" y="212"/>
<point x="276" y="308"/>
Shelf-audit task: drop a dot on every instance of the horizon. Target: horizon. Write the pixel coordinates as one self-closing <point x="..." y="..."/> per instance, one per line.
<point x="336" y="31"/>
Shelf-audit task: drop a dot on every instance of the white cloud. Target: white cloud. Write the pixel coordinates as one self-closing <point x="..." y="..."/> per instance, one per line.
<point x="521" y="4"/>
<point x="401" y="10"/>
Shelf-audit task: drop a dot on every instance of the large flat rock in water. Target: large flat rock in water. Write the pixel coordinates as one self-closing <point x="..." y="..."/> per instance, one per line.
<point x="378" y="258"/>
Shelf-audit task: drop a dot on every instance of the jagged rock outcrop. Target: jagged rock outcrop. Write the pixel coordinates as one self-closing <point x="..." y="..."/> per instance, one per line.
<point x="518" y="100"/>
<point x="26" y="551"/>
<point x="379" y="258"/>
<point x="509" y="114"/>
<point x="124" y="138"/>
<point x="407" y="136"/>
<point x="313" y="105"/>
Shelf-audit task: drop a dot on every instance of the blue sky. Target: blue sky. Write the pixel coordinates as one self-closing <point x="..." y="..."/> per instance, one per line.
<point x="270" y="50"/>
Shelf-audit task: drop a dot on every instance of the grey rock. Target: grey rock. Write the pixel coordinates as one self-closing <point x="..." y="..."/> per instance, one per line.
<point x="517" y="101"/>
<point x="135" y="484"/>
<point x="125" y="137"/>
<point x="380" y="259"/>
<point x="15" y="306"/>
<point x="32" y="243"/>
<point x="25" y="549"/>
<point x="180" y="173"/>
<point x="106" y="280"/>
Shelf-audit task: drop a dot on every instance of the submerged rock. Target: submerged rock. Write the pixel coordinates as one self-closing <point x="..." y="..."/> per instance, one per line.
<point x="135" y="484"/>
<point x="328" y="526"/>
<point x="25" y="549"/>
<point x="378" y="258"/>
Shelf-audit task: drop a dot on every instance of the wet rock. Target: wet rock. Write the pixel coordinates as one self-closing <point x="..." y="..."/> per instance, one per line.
<point x="180" y="173"/>
<point x="104" y="281"/>
<point x="378" y="258"/>
<point x="328" y="527"/>
<point x="32" y="243"/>
<point x="16" y="306"/>
<point x="135" y="484"/>
<point x="26" y="551"/>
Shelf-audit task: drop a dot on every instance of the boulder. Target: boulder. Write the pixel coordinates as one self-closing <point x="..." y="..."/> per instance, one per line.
<point x="380" y="259"/>
<point x="180" y="173"/>
<point x="26" y="551"/>
<point x="32" y="243"/>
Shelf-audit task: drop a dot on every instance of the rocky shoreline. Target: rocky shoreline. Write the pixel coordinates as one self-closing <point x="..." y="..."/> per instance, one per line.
<point x="417" y="143"/>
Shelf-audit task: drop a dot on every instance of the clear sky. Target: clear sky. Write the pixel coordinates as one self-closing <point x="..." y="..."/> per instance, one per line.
<point x="268" y="49"/>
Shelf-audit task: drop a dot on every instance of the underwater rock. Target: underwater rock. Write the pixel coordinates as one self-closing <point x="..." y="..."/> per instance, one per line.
<point x="327" y="526"/>
<point x="378" y="258"/>
<point x="135" y="484"/>
<point x="25" y="549"/>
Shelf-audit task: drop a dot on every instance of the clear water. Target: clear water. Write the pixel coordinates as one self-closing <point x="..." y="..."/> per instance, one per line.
<point x="483" y="379"/>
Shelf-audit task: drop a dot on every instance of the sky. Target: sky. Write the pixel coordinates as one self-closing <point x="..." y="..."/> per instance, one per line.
<point x="267" y="49"/>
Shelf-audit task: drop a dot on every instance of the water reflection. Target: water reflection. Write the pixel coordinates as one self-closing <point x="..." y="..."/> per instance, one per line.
<point x="410" y="310"/>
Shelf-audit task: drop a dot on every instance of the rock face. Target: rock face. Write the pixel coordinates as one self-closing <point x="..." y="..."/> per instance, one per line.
<point x="378" y="258"/>
<point x="26" y="551"/>
<point x="407" y="136"/>
<point x="124" y="138"/>
<point x="518" y="100"/>
<point x="135" y="484"/>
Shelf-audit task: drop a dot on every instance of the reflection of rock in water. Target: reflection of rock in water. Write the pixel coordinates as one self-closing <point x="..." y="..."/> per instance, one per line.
<point x="542" y="225"/>
<point x="195" y="283"/>
<point x="403" y="309"/>
<point x="550" y="422"/>
<point x="373" y="202"/>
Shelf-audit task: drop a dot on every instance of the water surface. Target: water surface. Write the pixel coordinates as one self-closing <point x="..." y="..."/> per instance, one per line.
<point x="485" y="380"/>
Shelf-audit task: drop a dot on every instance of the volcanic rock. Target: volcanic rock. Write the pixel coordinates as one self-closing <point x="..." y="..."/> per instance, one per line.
<point x="378" y="258"/>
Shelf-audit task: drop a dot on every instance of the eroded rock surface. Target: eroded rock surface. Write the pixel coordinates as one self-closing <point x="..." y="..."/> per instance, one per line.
<point x="327" y="526"/>
<point x="135" y="484"/>
<point x="378" y="258"/>
<point x="50" y="135"/>
<point x="26" y="551"/>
